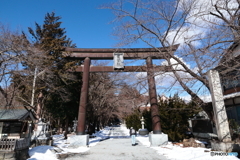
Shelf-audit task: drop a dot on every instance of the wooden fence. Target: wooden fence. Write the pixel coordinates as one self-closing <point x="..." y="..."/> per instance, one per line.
<point x="14" y="144"/>
<point x="7" y="144"/>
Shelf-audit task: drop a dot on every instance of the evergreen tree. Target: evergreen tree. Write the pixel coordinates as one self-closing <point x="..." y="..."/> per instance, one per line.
<point x="147" y="119"/>
<point x="174" y="115"/>
<point x="51" y="39"/>
<point x="133" y="120"/>
<point x="59" y="88"/>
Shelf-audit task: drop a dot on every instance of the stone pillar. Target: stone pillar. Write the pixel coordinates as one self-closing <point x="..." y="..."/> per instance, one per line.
<point x="219" y="110"/>
<point x="153" y="98"/>
<point x="1" y="127"/>
<point x="83" y="98"/>
<point x="142" y="122"/>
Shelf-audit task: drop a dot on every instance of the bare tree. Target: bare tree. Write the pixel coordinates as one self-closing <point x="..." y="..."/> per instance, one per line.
<point x="102" y="101"/>
<point x="130" y="99"/>
<point x="228" y="15"/>
<point x="202" y="37"/>
<point x="13" y="49"/>
<point x="110" y="98"/>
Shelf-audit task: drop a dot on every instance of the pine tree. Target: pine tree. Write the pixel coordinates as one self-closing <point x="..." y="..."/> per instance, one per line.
<point x="174" y="114"/>
<point x="51" y="39"/>
<point x="133" y="120"/>
<point x="147" y="119"/>
<point x="59" y="88"/>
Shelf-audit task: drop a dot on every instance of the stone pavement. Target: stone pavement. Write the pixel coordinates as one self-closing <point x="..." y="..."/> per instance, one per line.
<point x="118" y="147"/>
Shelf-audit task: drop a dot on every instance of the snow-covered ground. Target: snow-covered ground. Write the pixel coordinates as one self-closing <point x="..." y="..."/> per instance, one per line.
<point x="172" y="152"/>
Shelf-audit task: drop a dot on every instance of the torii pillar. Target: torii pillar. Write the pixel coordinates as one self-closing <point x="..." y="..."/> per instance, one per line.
<point x="81" y="139"/>
<point x="153" y="97"/>
<point x="83" y="98"/>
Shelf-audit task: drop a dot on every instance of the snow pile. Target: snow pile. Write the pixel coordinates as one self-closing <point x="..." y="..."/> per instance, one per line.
<point x="177" y="152"/>
<point x="42" y="153"/>
<point x="48" y="152"/>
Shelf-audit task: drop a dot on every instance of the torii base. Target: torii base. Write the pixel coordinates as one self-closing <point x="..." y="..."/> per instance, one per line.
<point x="78" y="141"/>
<point x="158" y="139"/>
<point x="143" y="132"/>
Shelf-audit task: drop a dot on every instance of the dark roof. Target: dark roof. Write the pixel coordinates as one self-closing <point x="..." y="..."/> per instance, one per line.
<point x="228" y="64"/>
<point x="15" y="114"/>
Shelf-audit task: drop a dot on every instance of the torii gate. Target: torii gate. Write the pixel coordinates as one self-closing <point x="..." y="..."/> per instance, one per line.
<point x="129" y="53"/>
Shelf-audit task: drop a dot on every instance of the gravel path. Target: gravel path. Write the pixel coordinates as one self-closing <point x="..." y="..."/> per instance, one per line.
<point x="118" y="147"/>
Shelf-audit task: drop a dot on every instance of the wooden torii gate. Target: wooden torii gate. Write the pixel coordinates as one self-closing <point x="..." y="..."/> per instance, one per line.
<point x="129" y="53"/>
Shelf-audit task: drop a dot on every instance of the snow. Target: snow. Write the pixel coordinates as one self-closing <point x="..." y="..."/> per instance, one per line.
<point x="232" y="95"/>
<point x="175" y="152"/>
<point x="170" y="150"/>
<point x="41" y="153"/>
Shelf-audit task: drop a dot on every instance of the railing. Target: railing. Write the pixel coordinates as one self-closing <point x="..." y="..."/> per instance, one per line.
<point x="14" y="144"/>
<point x="7" y="144"/>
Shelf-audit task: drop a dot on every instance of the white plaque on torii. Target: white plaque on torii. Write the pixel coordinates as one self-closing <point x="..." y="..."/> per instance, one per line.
<point x="118" y="61"/>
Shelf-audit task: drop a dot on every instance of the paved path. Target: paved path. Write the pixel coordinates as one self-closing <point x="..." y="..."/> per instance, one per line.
<point x="118" y="147"/>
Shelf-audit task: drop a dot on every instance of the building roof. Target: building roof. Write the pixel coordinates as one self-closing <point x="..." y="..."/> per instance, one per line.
<point x="232" y="95"/>
<point x="15" y="114"/>
<point x="228" y="63"/>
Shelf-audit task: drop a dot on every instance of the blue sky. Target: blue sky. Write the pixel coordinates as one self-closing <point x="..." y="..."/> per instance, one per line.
<point x="86" y="25"/>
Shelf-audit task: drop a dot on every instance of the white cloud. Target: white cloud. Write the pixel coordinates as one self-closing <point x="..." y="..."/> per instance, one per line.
<point x="199" y="19"/>
<point x="185" y="34"/>
<point x="167" y="79"/>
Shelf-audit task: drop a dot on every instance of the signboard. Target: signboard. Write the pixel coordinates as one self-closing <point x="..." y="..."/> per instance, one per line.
<point x="118" y="61"/>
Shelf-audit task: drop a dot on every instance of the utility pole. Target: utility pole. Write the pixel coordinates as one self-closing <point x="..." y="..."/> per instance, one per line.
<point x="34" y="83"/>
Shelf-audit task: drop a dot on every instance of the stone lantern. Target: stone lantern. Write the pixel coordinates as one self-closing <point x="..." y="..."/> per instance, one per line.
<point x="143" y="131"/>
<point x="75" y="125"/>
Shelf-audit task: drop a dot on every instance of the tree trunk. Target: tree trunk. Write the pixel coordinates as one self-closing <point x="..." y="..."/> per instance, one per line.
<point x="98" y="125"/>
<point x="66" y="128"/>
<point x="38" y="108"/>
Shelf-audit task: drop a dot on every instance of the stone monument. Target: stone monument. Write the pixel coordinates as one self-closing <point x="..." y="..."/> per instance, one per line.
<point x="224" y="142"/>
<point x="219" y="109"/>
